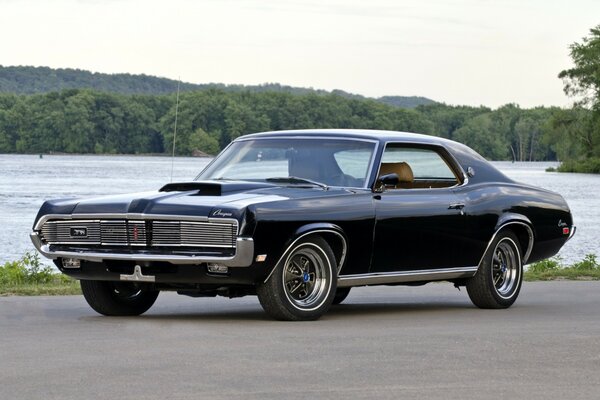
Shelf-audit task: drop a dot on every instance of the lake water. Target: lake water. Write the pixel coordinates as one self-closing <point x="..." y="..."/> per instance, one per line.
<point x="27" y="180"/>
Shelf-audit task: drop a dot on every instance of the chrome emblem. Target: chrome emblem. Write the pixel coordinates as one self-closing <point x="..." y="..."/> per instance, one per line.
<point x="562" y="224"/>
<point x="135" y="233"/>
<point x="221" y="213"/>
<point x="79" y="232"/>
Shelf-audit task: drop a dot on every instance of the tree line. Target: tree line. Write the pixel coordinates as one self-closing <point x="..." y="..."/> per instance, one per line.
<point x="88" y="121"/>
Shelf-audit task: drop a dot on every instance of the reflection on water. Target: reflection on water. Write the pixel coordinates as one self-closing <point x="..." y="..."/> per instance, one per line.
<point x="27" y="180"/>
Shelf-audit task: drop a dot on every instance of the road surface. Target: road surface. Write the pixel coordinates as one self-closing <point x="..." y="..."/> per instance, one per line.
<point x="384" y="343"/>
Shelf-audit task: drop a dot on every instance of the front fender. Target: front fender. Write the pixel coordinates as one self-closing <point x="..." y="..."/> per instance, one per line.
<point x="332" y="233"/>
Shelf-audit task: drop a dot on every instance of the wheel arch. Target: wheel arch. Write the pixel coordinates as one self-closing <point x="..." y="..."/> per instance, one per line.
<point x="331" y="233"/>
<point x="521" y="226"/>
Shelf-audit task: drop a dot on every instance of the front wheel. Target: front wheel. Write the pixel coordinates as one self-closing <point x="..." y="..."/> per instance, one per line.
<point x="303" y="285"/>
<point x="117" y="298"/>
<point x="498" y="280"/>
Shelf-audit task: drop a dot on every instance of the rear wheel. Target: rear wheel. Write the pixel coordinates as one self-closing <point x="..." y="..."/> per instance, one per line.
<point x="498" y="281"/>
<point x="303" y="285"/>
<point x="117" y="298"/>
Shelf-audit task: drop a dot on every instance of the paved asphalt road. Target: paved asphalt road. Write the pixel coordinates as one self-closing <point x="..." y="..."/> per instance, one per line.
<point x="385" y="343"/>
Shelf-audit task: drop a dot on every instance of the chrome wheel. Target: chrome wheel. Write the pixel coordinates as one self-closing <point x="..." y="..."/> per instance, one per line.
<point x="506" y="267"/>
<point x="303" y="284"/>
<point x="304" y="277"/>
<point x="498" y="281"/>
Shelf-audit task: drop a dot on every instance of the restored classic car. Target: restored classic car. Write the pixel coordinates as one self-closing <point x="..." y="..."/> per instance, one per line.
<point x="300" y="217"/>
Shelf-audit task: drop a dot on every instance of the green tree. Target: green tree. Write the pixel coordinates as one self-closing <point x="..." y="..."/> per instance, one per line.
<point x="480" y="134"/>
<point x="582" y="124"/>
<point x="583" y="80"/>
<point x="447" y="119"/>
<point x="200" y="140"/>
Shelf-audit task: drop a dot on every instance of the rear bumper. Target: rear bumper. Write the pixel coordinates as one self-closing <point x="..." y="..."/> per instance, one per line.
<point x="572" y="233"/>
<point x="243" y="257"/>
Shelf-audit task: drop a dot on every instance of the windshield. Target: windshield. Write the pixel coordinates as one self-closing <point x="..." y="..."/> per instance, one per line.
<point x="333" y="162"/>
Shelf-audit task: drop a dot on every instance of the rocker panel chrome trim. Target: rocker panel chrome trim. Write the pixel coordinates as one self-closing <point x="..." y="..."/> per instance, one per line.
<point x="382" y="278"/>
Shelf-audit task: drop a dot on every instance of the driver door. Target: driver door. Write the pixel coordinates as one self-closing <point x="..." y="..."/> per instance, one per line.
<point x="420" y="222"/>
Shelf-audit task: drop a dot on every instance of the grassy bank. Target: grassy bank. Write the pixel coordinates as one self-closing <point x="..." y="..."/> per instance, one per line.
<point x="554" y="269"/>
<point x="28" y="277"/>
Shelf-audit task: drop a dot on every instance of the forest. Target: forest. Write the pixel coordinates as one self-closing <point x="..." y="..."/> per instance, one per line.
<point x="97" y="120"/>
<point x="87" y="121"/>
<point x="32" y="80"/>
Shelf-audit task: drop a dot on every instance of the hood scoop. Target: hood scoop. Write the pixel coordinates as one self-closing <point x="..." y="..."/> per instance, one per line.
<point x="214" y="188"/>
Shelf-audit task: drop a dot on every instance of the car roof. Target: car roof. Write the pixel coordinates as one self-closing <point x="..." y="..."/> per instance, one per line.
<point x="465" y="156"/>
<point x="379" y="135"/>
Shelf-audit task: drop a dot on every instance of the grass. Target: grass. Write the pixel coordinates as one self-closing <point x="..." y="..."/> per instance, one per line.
<point x="553" y="269"/>
<point x="28" y="277"/>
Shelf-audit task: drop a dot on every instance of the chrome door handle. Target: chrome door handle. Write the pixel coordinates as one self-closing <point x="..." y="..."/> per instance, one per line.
<point x="456" y="206"/>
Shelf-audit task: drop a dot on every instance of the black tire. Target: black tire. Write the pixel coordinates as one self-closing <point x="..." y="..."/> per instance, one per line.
<point x="117" y="298"/>
<point x="303" y="284"/>
<point x="340" y="295"/>
<point x="498" y="280"/>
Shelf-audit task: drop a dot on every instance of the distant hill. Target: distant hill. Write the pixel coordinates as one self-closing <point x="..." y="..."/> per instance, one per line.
<point x="405" y="101"/>
<point x="30" y="80"/>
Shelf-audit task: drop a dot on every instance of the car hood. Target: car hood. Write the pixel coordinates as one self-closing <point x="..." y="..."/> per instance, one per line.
<point x="213" y="199"/>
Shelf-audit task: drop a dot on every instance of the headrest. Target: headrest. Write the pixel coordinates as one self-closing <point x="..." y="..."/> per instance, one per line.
<point x="401" y="169"/>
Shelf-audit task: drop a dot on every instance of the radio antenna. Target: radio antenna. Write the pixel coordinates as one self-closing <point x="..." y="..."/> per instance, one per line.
<point x="175" y="130"/>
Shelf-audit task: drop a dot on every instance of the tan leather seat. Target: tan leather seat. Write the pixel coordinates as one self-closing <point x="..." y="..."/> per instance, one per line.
<point x="402" y="169"/>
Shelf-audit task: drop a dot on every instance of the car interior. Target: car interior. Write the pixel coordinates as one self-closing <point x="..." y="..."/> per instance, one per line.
<point x="429" y="169"/>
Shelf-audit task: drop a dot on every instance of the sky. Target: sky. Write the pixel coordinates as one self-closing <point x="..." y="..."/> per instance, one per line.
<point x="471" y="52"/>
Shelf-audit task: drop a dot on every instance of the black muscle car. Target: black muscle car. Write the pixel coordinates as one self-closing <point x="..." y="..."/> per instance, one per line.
<point x="300" y="217"/>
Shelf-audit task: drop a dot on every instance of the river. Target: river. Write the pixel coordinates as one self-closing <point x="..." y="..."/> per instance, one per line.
<point x="27" y="180"/>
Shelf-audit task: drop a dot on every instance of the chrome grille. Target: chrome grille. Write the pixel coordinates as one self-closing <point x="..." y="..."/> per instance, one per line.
<point x="61" y="232"/>
<point x="166" y="233"/>
<point x="114" y="233"/>
<point x="121" y="232"/>
<point x="195" y="234"/>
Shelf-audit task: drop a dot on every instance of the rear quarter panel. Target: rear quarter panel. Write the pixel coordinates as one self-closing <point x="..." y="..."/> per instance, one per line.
<point x="491" y="205"/>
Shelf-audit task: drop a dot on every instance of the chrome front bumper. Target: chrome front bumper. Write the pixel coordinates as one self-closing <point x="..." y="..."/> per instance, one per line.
<point x="243" y="256"/>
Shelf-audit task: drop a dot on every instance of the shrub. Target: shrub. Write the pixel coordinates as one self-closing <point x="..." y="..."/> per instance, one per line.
<point x="589" y="263"/>
<point x="551" y="264"/>
<point x="28" y="269"/>
<point x="589" y="166"/>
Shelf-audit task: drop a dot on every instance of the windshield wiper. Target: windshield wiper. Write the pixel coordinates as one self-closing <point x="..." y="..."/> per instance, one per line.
<point x="295" y="179"/>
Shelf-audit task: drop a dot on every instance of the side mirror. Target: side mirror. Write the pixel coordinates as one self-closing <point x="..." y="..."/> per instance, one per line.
<point x="386" y="180"/>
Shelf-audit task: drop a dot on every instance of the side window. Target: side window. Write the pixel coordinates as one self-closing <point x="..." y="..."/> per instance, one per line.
<point x="417" y="167"/>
